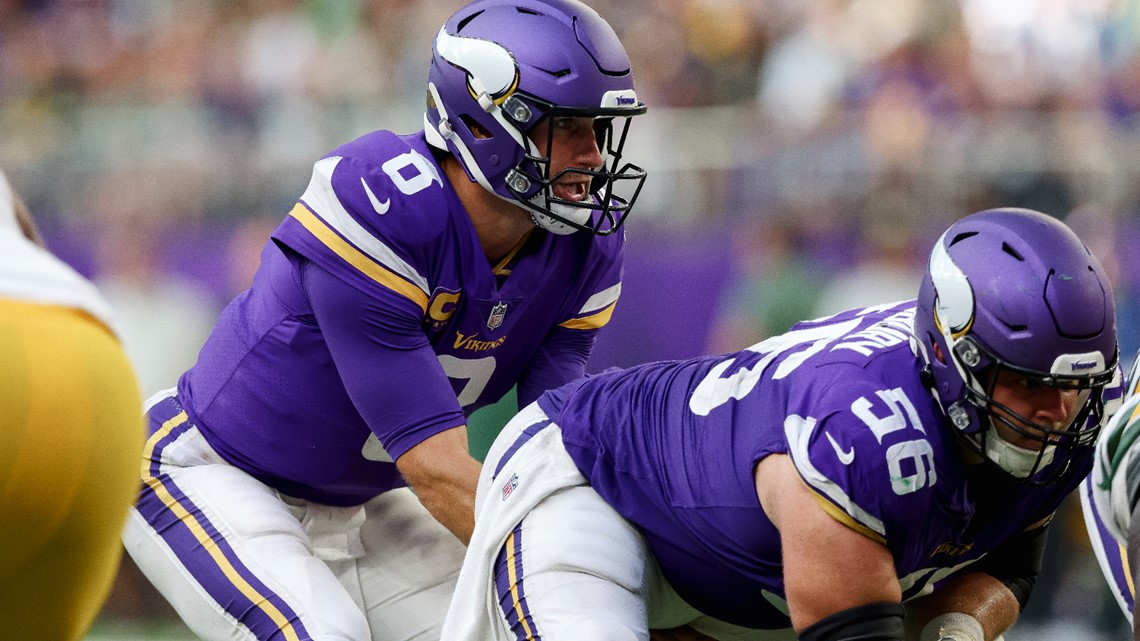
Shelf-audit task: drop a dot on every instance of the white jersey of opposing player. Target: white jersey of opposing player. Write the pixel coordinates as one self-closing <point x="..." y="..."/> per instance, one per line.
<point x="1106" y="494"/>
<point x="1118" y="460"/>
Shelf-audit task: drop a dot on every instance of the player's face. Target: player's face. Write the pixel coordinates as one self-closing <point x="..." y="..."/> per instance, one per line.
<point x="1049" y="407"/>
<point x="573" y="144"/>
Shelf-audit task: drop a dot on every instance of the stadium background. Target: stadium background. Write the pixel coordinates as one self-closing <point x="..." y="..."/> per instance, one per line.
<point x="803" y="156"/>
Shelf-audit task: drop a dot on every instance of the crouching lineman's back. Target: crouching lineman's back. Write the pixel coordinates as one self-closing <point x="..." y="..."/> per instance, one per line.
<point x="70" y="439"/>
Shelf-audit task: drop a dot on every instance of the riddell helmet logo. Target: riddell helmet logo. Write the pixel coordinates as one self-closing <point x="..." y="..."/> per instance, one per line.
<point x="1083" y="365"/>
<point x="622" y="100"/>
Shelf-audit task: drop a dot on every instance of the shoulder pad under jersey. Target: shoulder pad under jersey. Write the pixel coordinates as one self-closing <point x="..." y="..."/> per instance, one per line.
<point x="373" y="218"/>
<point x="866" y="450"/>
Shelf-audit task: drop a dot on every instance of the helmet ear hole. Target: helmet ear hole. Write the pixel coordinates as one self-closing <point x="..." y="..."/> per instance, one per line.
<point x="476" y="129"/>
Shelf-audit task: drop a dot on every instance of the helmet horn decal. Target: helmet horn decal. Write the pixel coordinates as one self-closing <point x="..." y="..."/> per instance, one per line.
<point x="491" y="69"/>
<point x="492" y="77"/>
<point x="954" y="301"/>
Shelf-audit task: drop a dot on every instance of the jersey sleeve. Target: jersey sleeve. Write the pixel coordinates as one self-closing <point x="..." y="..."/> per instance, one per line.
<point x="595" y="311"/>
<point x="566" y="348"/>
<point x="385" y="361"/>
<point x="560" y="359"/>
<point x="1111" y="553"/>
<point x="368" y="222"/>
<point x="865" y="455"/>
<point x="599" y="286"/>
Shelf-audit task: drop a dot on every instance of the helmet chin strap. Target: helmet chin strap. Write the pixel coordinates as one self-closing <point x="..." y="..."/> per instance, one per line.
<point x="1019" y="461"/>
<point x="579" y="215"/>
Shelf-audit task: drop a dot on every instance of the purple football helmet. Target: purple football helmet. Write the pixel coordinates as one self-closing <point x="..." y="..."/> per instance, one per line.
<point x="501" y="66"/>
<point x="1015" y="289"/>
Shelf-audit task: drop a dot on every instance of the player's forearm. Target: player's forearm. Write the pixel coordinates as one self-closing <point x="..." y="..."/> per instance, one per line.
<point x="444" y="477"/>
<point x="978" y="595"/>
<point x="451" y="498"/>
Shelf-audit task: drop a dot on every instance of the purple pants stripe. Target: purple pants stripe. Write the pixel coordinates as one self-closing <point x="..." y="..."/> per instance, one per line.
<point x="199" y="547"/>
<point x="509" y="587"/>
<point x="526" y="435"/>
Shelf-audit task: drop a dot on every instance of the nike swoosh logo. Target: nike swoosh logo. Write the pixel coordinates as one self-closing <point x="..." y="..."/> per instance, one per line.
<point x="380" y="207"/>
<point x="845" y="458"/>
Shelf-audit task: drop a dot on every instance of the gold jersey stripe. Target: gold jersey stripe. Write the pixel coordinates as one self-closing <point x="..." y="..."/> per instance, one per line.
<point x="356" y="258"/>
<point x="1126" y="569"/>
<point x="845" y="518"/>
<point x="593" y="321"/>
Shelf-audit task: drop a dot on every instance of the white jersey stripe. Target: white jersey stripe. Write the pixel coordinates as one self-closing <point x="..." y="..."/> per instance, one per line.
<point x="322" y="201"/>
<point x="600" y="300"/>
<point x="798" y="430"/>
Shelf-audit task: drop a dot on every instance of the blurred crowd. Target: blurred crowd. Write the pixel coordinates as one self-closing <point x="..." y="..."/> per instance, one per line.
<point x="839" y="132"/>
<point x="813" y="148"/>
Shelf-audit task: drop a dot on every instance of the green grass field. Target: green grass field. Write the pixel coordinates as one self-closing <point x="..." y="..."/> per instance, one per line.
<point x="139" y="632"/>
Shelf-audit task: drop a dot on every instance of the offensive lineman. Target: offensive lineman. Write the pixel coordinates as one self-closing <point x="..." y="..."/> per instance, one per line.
<point x="70" y="437"/>
<point x="804" y="487"/>
<point x="418" y="278"/>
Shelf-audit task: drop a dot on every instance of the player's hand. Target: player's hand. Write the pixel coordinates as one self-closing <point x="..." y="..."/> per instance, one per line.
<point x="683" y="633"/>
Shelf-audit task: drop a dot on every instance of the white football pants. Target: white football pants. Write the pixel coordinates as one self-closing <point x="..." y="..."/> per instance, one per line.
<point x="240" y="561"/>
<point x="551" y="559"/>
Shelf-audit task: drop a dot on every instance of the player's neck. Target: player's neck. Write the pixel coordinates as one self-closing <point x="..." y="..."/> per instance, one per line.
<point x="499" y="225"/>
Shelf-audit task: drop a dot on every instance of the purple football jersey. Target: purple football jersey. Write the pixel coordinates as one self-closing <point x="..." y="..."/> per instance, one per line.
<point x="380" y="228"/>
<point x="673" y="446"/>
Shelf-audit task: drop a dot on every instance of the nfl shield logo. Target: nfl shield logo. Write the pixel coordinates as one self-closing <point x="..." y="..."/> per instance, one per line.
<point x="496" y="317"/>
<point x="510" y="486"/>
